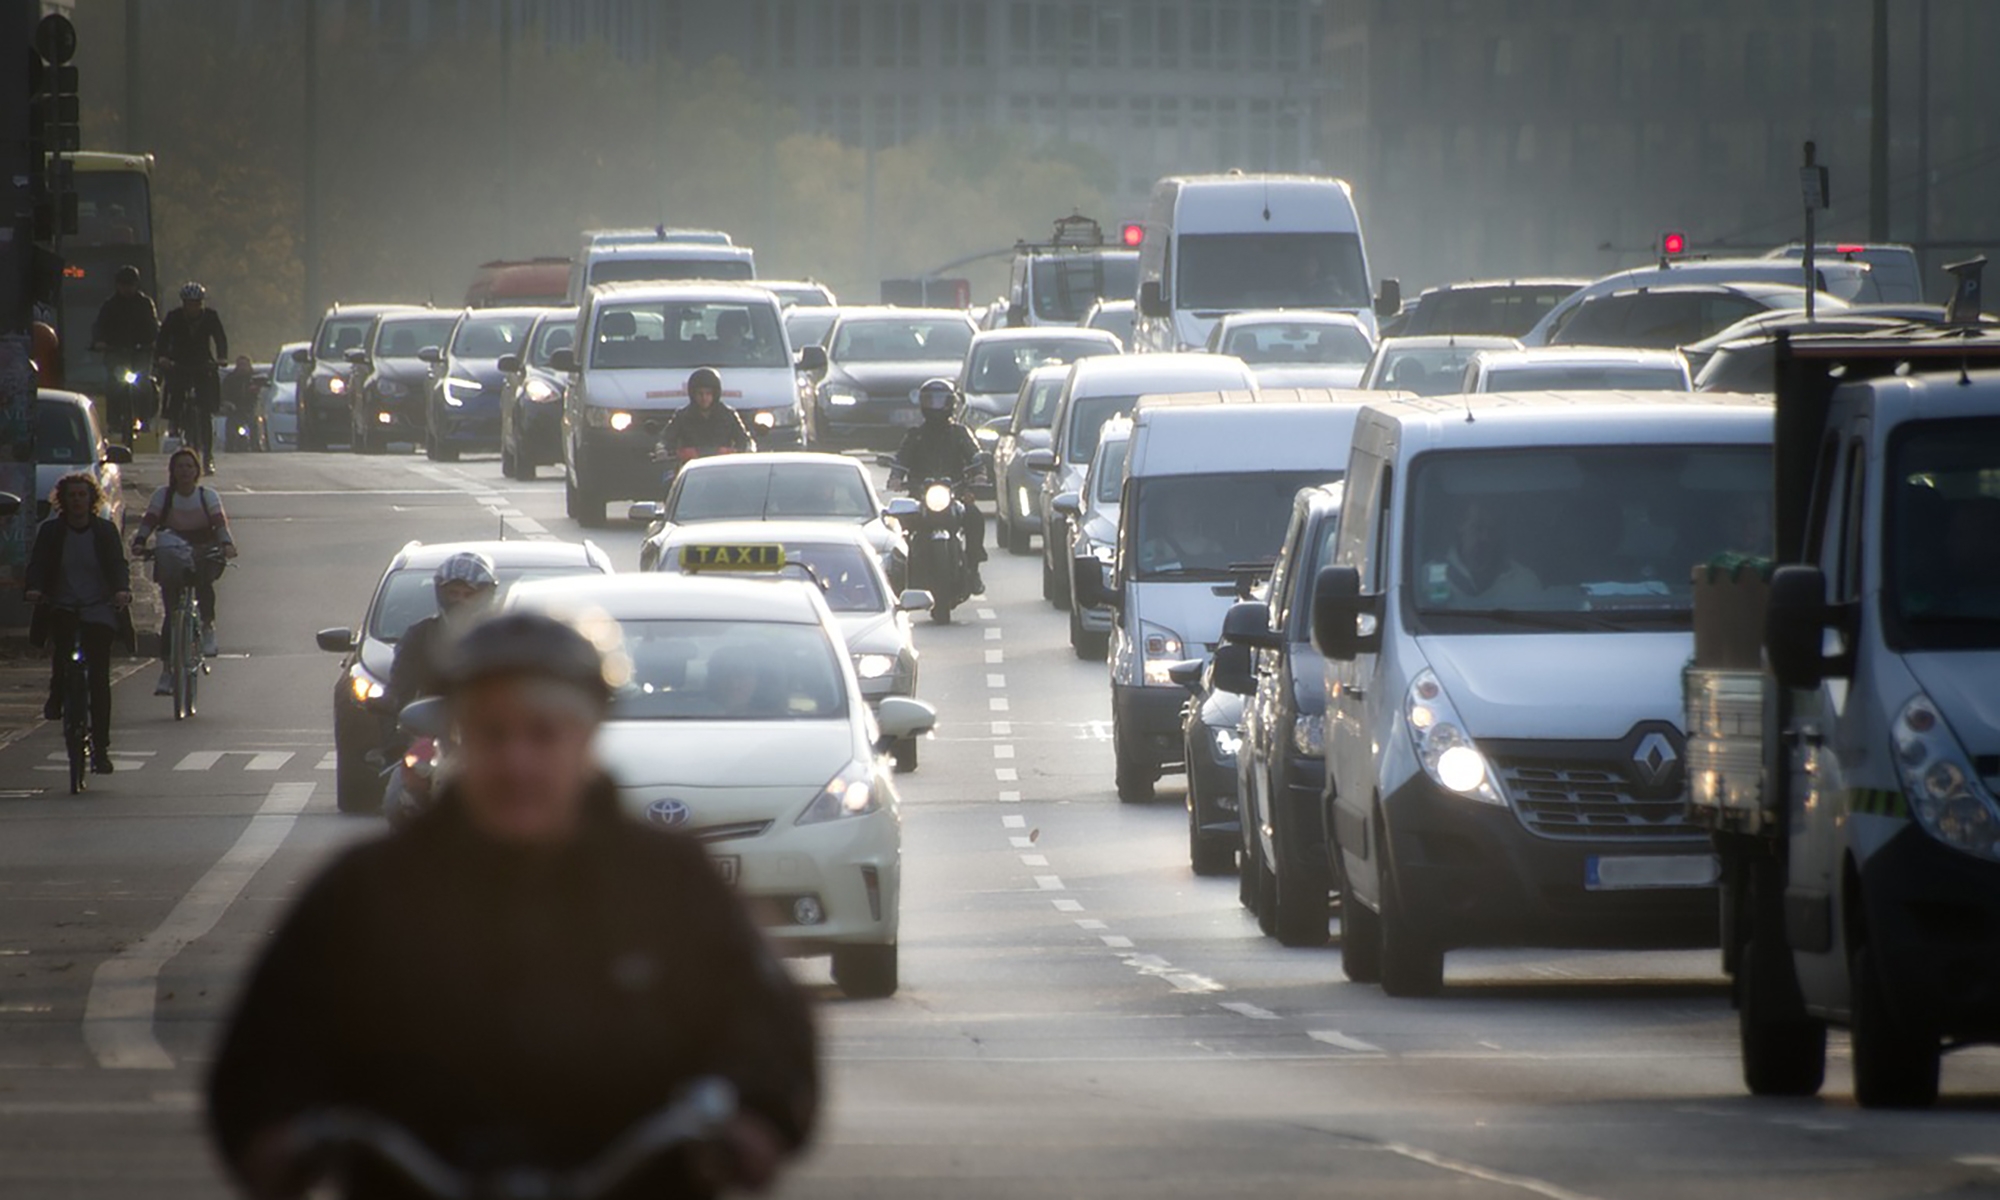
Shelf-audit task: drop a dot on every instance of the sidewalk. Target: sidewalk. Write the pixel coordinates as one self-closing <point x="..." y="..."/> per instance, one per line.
<point x="24" y="669"/>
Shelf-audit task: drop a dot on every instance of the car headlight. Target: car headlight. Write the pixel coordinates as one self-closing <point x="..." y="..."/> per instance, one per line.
<point x="839" y="397"/>
<point x="937" y="498"/>
<point x="363" y="686"/>
<point x="763" y="420"/>
<point x="129" y="378"/>
<point x="337" y="385"/>
<point x="389" y="389"/>
<point x="540" y="391"/>
<point x="1227" y="742"/>
<point x="617" y="420"/>
<point x="1309" y="733"/>
<point x="874" y="666"/>
<point x="1443" y="746"/>
<point x="1944" y="792"/>
<point x="848" y="794"/>
<point x="458" y="391"/>
<point x="1161" y="648"/>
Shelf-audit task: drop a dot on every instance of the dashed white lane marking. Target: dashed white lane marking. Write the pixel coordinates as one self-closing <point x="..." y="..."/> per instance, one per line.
<point x="993" y="634"/>
<point x="259" y="760"/>
<point x="1012" y="821"/>
<point x="987" y="614"/>
<point x="1010" y="797"/>
<point x="998" y="704"/>
<point x="1188" y="981"/>
<point x="1067" y="905"/>
<point x="1244" y="1008"/>
<point x="118" y="1015"/>
<point x="1003" y="751"/>
<point x="1034" y="860"/>
<point x="1003" y="729"/>
<point x="1094" y="731"/>
<point x="1049" y="883"/>
<point x="1022" y="843"/>
<point x="1115" y="942"/>
<point x="1090" y="924"/>
<point x="1539" y="1187"/>
<point x="995" y="657"/>
<point x="996" y="681"/>
<point x="1333" y="1037"/>
<point x="124" y="760"/>
<point x="1006" y="775"/>
<point x="330" y="761"/>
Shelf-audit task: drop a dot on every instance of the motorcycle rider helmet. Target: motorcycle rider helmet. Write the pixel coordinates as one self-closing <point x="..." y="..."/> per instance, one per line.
<point x="937" y="396"/>
<point x="535" y="645"/>
<point x="707" y="377"/>
<point x="126" y="274"/>
<point x="193" y="291"/>
<point x="467" y="566"/>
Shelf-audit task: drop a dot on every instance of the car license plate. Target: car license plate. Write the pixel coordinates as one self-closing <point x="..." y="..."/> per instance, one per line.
<point x="729" y="867"/>
<point x="905" y="416"/>
<point x="1620" y="873"/>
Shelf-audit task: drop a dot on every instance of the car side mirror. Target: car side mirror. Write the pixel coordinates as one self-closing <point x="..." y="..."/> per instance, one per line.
<point x="117" y="454"/>
<point x="902" y="508"/>
<point x="915" y="600"/>
<point x="431" y="355"/>
<point x="1248" y="624"/>
<point x="1040" y="460"/>
<point x="1389" y="298"/>
<point x="1093" y="592"/>
<point x="335" y="641"/>
<point x="509" y="364"/>
<point x="812" y="360"/>
<point x="424" y="718"/>
<point x="1187" y="673"/>
<point x="356" y="357"/>
<point x="303" y="356"/>
<point x="1069" y="504"/>
<point x="1232" y="672"/>
<point x="1017" y="315"/>
<point x="1336" y="612"/>
<point x="1152" y="299"/>
<point x="645" y="512"/>
<point x="563" y="361"/>
<point x="1795" y="621"/>
<point x="901" y="718"/>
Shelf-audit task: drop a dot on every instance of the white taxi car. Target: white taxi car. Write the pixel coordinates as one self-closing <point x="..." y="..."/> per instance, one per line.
<point x="742" y="723"/>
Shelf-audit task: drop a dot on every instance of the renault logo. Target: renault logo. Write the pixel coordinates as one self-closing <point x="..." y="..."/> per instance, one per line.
<point x="671" y="814"/>
<point x="1654" y="760"/>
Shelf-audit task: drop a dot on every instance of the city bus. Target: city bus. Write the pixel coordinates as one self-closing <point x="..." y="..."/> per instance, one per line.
<point x="114" y="228"/>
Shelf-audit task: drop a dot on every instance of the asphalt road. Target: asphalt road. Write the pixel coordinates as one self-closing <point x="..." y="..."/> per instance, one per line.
<point x="1080" y="1016"/>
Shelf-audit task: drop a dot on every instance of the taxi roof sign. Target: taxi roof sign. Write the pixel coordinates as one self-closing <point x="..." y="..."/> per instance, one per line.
<point x="756" y="557"/>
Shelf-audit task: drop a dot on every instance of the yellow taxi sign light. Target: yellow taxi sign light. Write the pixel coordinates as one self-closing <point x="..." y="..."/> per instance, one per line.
<point x="732" y="558"/>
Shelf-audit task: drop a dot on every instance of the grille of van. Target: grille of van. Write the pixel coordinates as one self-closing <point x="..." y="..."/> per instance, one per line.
<point x="1587" y="791"/>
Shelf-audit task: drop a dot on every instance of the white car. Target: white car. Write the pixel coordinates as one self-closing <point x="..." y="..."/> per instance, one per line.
<point x="742" y="724"/>
<point x="68" y="440"/>
<point x="1297" y="349"/>
<point x="801" y="485"/>
<point x="1577" y="369"/>
<point x="278" y="401"/>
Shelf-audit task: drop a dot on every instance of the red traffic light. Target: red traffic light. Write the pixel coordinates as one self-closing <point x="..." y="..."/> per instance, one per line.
<point x="1132" y="235"/>
<point x="1673" y="244"/>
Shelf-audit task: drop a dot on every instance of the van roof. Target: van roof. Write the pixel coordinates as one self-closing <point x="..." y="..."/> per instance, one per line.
<point x="678" y="251"/>
<point x="1263" y="396"/>
<point x="1150" y="374"/>
<point x="1206" y="439"/>
<point x="1506" y="419"/>
<point x="692" y="289"/>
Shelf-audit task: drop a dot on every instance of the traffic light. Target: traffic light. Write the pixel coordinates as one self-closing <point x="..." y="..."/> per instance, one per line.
<point x="55" y="128"/>
<point x="1673" y="244"/>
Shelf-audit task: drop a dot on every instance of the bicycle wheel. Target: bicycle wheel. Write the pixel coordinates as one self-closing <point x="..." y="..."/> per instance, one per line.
<point x="76" y="723"/>
<point x="181" y="663"/>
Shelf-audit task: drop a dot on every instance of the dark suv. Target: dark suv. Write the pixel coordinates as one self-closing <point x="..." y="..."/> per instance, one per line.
<point x="325" y="416"/>
<point x="1281" y="766"/>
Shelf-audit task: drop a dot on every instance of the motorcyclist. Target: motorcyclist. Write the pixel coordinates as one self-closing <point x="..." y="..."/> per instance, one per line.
<point x="190" y="344"/>
<point x="465" y="585"/>
<point x="124" y="332"/>
<point x="705" y="426"/>
<point x="943" y="448"/>
<point x="523" y="972"/>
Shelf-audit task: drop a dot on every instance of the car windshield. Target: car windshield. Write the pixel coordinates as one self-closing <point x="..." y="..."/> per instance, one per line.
<point x="1582" y="378"/>
<point x="1229" y="272"/>
<point x="1586" y="538"/>
<point x="1297" y="344"/>
<point x="846" y="574"/>
<point x="285" y="370"/>
<point x="1087" y="415"/>
<point x="808" y="326"/>
<point x="1065" y="287"/>
<point x="62" y="435"/>
<point x="1940" y="535"/>
<point x="1425" y="370"/>
<point x="490" y="337"/>
<point x="341" y="334"/>
<point x="798" y="491"/>
<point x="668" y="270"/>
<point x="553" y="334"/>
<point x="1500" y="312"/>
<point x="898" y="340"/>
<point x="404" y="338"/>
<point x="408" y="596"/>
<point x="1040" y="410"/>
<point x="999" y="366"/>
<point x="657" y="334"/>
<point x="1107" y="474"/>
<point x="729" y="671"/>
<point x="1199" y="526"/>
<point x="1116" y="320"/>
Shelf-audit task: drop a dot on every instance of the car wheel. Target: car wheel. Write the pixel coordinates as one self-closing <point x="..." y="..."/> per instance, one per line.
<point x="1019" y="541"/>
<point x="1208" y="854"/>
<point x="1895" y="1062"/>
<point x="1302" y="895"/>
<point x="524" y="468"/>
<point x="583" y="508"/>
<point x="1265" y="888"/>
<point x="1412" y="960"/>
<point x="1088" y="645"/>
<point x="1055" y="582"/>
<point x="865" y="972"/>
<point x="507" y="469"/>
<point x="906" y="755"/>
<point x="357" y="786"/>
<point x="1134" y="779"/>
<point x="1246" y="868"/>
<point x="1360" y="940"/>
<point x="1784" y="1052"/>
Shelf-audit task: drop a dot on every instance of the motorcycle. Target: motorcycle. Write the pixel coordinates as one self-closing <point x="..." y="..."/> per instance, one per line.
<point x="685" y="455"/>
<point x="933" y="517"/>
<point x="408" y="792"/>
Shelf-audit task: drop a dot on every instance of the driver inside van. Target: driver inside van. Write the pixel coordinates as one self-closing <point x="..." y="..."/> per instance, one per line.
<point x="1184" y="535"/>
<point x="1479" y="570"/>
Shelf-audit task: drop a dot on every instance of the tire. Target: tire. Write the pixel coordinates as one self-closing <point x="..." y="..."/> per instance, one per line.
<point x="866" y="972"/>
<point x="1360" y="942"/>
<point x="1134" y="781"/>
<point x="1086" y="644"/>
<point x="1784" y="1051"/>
<point x="1412" y="962"/>
<point x="1209" y="855"/>
<point x="1895" y="1063"/>
<point x="524" y="468"/>
<point x="905" y="754"/>
<point x="1019" y="541"/>
<point x="1246" y="872"/>
<point x="1266" y="885"/>
<point x="1304" y="913"/>
<point x="582" y="507"/>
<point x="1055" y="584"/>
<point x="178" y="670"/>
<point x="507" y="463"/>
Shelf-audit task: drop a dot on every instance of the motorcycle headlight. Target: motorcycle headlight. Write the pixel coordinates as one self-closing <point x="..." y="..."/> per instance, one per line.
<point x="848" y="794"/>
<point x="1161" y="648"/>
<point x="1227" y="743"/>
<point x="389" y="389"/>
<point x="937" y="498"/>
<point x="337" y="386"/>
<point x="873" y="666"/>
<point x="1309" y="734"/>
<point x="363" y="686"/>
<point x="1944" y="792"/>
<point x="1443" y="746"/>
<point x="129" y="378"/>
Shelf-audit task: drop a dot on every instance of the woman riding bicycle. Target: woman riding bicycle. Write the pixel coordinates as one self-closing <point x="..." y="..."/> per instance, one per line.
<point x="190" y="344"/>
<point x="80" y="584"/>
<point x="192" y="512"/>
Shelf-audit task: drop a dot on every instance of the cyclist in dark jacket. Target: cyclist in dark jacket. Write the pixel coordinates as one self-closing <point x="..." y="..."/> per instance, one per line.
<point x="190" y="345"/>
<point x="79" y="581"/>
<point x="125" y="332"/>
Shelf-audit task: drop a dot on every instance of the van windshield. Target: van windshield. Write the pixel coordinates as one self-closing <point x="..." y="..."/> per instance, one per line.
<point x="1583" y="538"/>
<point x="1230" y="272"/>
<point x="1942" y="525"/>
<point x="1199" y="526"/>
<point x="1065" y="287"/>
<point x="660" y="334"/>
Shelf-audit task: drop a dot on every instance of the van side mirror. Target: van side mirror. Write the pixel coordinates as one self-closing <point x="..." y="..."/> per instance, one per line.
<point x="509" y="364"/>
<point x="812" y="360"/>
<point x="1336" y="612"/>
<point x="1187" y="674"/>
<point x="1069" y="504"/>
<point x="1152" y="300"/>
<point x="431" y="355"/>
<point x="1389" y="298"/>
<point x="1795" y="622"/>
<point x="1231" y="670"/>
<point x="1248" y="624"/>
<point x="117" y="454"/>
<point x="563" y="361"/>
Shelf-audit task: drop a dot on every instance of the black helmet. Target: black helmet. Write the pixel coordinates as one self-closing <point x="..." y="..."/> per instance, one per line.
<point x="937" y="396"/>
<point x="126" y="274"/>
<point x="707" y="377"/>
<point x="519" y="642"/>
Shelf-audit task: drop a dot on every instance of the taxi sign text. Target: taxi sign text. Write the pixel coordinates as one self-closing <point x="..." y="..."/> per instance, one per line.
<point x="732" y="558"/>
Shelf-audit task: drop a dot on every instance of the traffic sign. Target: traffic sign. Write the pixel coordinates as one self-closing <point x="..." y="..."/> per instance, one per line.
<point x="55" y="39"/>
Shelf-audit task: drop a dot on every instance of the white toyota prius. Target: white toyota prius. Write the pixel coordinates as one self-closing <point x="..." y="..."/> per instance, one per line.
<point x="742" y="724"/>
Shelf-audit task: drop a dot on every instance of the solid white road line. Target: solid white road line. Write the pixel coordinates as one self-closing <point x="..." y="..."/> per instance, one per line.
<point x="1243" y="1008"/>
<point x="1333" y="1037"/>
<point x="118" y="1016"/>
<point x="1442" y="1162"/>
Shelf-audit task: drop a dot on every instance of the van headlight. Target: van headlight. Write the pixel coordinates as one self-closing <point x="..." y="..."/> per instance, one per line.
<point x="617" y="420"/>
<point x="764" y="420"/>
<point x="848" y="794"/>
<point x="1160" y="648"/>
<point x="1443" y="746"/>
<point x="1944" y="792"/>
<point x="937" y="498"/>
<point x="1309" y="734"/>
<point x="363" y="686"/>
<point x="337" y="385"/>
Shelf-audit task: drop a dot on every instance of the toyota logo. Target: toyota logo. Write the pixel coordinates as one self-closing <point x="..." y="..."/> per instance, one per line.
<point x="1654" y="760"/>
<point x="670" y="814"/>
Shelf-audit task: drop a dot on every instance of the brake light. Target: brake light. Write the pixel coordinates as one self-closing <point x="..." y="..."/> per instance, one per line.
<point x="1132" y="235"/>
<point x="1849" y="248"/>
<point x="1673" y="244"/>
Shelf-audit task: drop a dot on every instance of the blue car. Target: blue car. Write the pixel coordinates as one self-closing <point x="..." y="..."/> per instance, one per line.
<point x="466" y="381"/>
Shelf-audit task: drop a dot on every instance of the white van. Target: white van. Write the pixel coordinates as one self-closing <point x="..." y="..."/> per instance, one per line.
<point x="617" y="260"/>
<point x="1842" y="280"/>
<point x="1208" y="490"/>
<point x="636" y="345"/>
<point x="1505" y="623"/>
<point x="1217" y="244"/>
